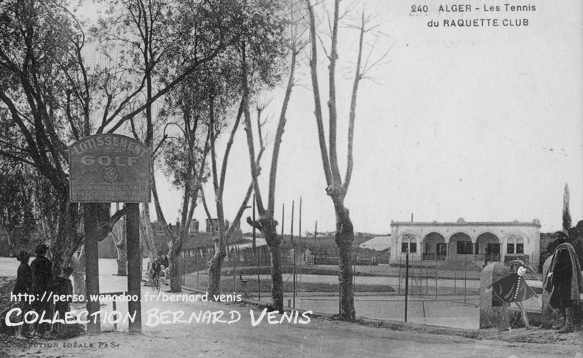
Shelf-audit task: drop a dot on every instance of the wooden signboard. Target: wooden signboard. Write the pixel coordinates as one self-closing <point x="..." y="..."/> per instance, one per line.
<point x="109" y="168"/>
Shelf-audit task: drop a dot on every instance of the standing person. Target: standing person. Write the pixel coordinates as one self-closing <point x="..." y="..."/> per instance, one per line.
<point x="23" y="274"/>
<point x="41" y="269"/>
<point x="564" y="282"/>
<point x="155" y="274"/>
<point x="514" y="289"/>
<point x="63" y="288"/>
<point x="23" y="286"/>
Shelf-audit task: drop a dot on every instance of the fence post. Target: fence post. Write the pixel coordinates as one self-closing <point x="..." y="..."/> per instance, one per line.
<point x="465" y="286"/>
<point x="400" y="263"/>
<point x="115" y="314"/>
<point x="436" y="278"/>
<point x="406" y="283"/>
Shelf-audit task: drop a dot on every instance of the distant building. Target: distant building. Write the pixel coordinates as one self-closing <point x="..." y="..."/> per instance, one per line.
<point x="194" y="226"/>
<point x="479" y="242"/>
<point x="377" y="243"/>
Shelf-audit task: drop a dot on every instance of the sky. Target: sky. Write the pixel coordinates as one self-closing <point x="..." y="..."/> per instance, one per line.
<point x="481" y="123"/>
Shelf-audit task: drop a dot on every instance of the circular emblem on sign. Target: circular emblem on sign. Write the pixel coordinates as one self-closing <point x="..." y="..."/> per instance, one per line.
<point x="110" y="174"/>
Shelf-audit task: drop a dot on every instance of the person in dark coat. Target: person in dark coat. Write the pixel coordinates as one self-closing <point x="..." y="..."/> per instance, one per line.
<point x="62" y="287"/>
<point x="23" y="286"/>
<point x="564" y="282"/>
<point x="41" y="279"/>
<point x="23" y="275"/>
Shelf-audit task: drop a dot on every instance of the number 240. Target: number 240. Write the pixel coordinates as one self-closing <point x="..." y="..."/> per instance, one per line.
<point x="419" y="9"/>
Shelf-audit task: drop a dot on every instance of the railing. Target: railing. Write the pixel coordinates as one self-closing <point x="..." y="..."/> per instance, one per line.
<point x="479" y="257"/>
<point x="433" y="257"/>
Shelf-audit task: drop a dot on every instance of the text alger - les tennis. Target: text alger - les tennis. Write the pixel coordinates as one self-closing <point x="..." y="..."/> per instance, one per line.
<point x="467" y="7"/>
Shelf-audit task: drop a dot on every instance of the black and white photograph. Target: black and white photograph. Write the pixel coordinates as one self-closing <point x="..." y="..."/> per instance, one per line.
<point x="291" y="178"/>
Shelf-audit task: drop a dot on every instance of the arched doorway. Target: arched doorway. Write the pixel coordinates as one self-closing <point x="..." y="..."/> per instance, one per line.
<point x="488" y="247"/>
<point x="460" y="246"/>
<point x="434" y="247"/>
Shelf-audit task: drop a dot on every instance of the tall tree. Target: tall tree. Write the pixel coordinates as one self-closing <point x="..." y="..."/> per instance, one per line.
<point x="266" y="222"/>
<point x="566" y="213"/>
<point x="337" y="187"/>
<point x="260" y="56"/>
<point x="17" y="204"/>
<point x="45" y="87"/>
<point x="53" y="97"/>
<point x="185" y="156"/>
<point x="164" y="43"/>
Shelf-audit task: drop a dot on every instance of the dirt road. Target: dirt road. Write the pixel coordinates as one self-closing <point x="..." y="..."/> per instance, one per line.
<point x="319" y="338"/>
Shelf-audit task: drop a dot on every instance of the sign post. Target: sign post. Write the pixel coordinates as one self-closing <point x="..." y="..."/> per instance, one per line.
<point x="91" y="268"/>
<point x="134" y="266"/>
<point x="108" y="168"/>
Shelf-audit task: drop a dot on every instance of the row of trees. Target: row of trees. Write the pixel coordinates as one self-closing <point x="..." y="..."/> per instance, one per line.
<point x="175" y="75"/>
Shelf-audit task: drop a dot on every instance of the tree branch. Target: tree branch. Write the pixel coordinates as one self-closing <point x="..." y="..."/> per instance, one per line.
<point x="316" y="93"/>
<point x="352" y="113"/>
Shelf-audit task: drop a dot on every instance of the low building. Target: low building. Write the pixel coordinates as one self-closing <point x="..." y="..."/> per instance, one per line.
<point x="479" y="242"/>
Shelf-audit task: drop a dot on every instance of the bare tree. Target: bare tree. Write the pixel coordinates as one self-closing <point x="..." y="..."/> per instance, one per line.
<point x="337" y="187"/>
<point x="186" y="156"/>
<point x="218" y="181"/>
<point x="266" y="222"/>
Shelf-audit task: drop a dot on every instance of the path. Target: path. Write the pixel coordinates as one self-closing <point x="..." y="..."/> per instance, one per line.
<point x="319" y="338"/>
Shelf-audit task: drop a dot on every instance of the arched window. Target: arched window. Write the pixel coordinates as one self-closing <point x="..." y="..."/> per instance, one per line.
<point x="408" y="243"/>
<point x="515" y="246"/>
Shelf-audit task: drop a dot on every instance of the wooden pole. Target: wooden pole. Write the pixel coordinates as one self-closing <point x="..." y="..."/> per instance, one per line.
<point x="282" y="221"/>
<point x="316" y="230"/>
<point x="255" y="253"/>
<point x="134" y="268"/>
<point x="91" y="268"/>
<point x="300" y="244"/>
<point x="294" y="257"/>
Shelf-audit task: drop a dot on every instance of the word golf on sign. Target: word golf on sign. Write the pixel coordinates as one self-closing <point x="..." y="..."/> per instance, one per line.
<point x="109" y="168"/>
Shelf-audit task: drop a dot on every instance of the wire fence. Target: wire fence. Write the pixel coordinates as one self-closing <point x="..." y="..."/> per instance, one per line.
<point x="417" y="292"/>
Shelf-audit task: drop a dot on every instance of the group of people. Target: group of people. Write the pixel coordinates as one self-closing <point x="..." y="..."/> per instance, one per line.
<point x="158" y="268"/>
<point x="562" y="283"/>
<point x="37" y="279"/>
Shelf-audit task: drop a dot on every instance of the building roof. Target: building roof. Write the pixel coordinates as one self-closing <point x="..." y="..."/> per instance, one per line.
<point x="378" y="243"/>
<point x="462" y="222"/>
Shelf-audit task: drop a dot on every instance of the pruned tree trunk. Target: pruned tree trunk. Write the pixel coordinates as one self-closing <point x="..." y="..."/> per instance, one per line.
<point x="78" y="265"/>
<point x="274" y="242"/>
<point x="174" y="267"/>
<point x="344" y="237"/>
<point x="146" y="232"/>
<point x="122" y="259"/>
<point x="119" y="240"/>
<point x="66" y="241"/>
<point x="215" y="264"/>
